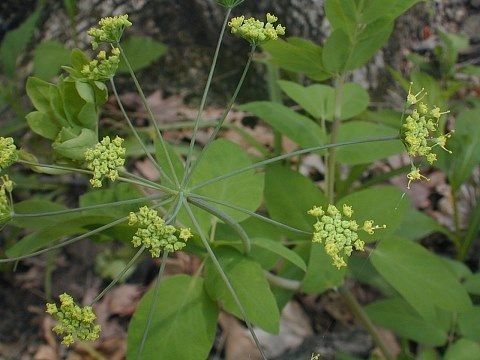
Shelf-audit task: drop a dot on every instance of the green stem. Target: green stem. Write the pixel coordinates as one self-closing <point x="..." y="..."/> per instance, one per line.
<point x="87" y="208"/>
<point x="153" y="305"/>
<point x="287" y="156"/>
<point x="225" y="218"/>
<point x="136" y="134"/>
<point x="456" y="222"/>
<point x="205" y="92"/>
<point x="152" y="184"/>
<point x="223" y="276"/>
<point x="143" y="182"/>
<point x="287" y="284"/>
<point x="119" y="276"/>
<point x="332" y="152"/>
<point x="251" y="213"/>
<point x="472" y="232"/>
<point x="68" y="242"/>
<point x="275" y="96"/>
<point x="150" y="114"/>
<point x="360" y="314"/>
<point x="189" y="171"/>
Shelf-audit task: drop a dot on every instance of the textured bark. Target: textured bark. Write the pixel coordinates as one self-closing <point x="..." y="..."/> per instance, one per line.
<point x="191" y="27"/>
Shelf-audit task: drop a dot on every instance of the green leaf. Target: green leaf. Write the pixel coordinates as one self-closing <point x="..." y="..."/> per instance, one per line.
<point x="299" y="128"/>
<point x="141" y="51"/>
<point x="367" y="152"/>
<point x="472" y="284"/>
<point x="88" y="116"/>
<point x="404" y="265"/>
<point x="384" y="205"/>
<point x="463" y="349"/>
<point x="469" y="323"/>
<point x="321" y="273"/>
<point x="38" y="91"/>
<point x="85" y="91"/>
<point x="78" y="59"/>
<point x="75" y="148"/>
<point x="244" y="190"/>
<point x="342" y="14"/>
<point x="416" y="225"/>
<point x="42" y="125"/>
<point x="319" y="99"/>
<point x="342" y="53"/>
<point x="249" y="282"/>
<point x="465" y="144"/>
<point x="281" y="183"/>
<point x="48" y="59"/>
<point x="15" y="42"/>
<point x="279" y="249"/>
<point x="38" y="206"/>
<point x="297" y="55"/>
<point x="395" y="314"/>
<point x="183" y="324"/>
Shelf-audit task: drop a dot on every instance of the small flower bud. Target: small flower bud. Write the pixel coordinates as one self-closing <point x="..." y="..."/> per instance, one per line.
<point x="110" y="30"/>
<point x="104" y="159"/>
<point x="256" y="31"/>
<point x="8" y="152"/>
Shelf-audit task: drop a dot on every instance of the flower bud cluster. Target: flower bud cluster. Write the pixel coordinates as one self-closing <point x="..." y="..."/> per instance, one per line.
<point x="5" y="210"/>
<point x="103" y="67"/>
<point x="153" y="233"/>
<point x="74" y="322"/>
<point x="256" y="31"/>
<point x="110" y="30"/>
<point x="338" y="232"/>
<point x="419" y="132"/>
<point x="104" y="159"/>
<point x="8" y="152"/>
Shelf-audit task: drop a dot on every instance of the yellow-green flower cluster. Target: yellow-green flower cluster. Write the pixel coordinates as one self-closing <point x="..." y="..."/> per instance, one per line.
<point x="419" y="132"/>
<point x="5" y="207"/>
<point x="153" y="233"/>
<point x="103" y="67"/>
<point x="109" y="30"/>
<point x="338" y="232"/>
<point x="256" y="31"/>
<point x="104" y="159"/>
<point x="8" y="152"/>
<point x="74" y="322"/>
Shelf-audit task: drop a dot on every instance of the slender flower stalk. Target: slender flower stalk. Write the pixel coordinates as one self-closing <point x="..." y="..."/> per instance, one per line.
<point x="205" y="93"/>
<point x="188" y="172"/>
<point x="224" y="277"/>
<point x="288" y="156"/>
<point x="150" y="114"/>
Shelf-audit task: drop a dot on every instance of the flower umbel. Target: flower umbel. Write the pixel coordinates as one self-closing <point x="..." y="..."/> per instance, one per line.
<point x="8" y="152"/>
<point x="104" y="159"/>
<point x="103" y="67"/>
<point x="73" y="322"/>
<point x="5" y="207"/>
<point x="256" y="31"/>
<point x="110" y="30"/>
<point x="338" y="232"/>
<point x="419" y="133"/>
<point x="153" y="233"/>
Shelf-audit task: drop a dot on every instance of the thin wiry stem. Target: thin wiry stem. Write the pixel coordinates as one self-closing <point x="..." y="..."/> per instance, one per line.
<point x="287" y="156"/>
<point x="225" y="218"/>
<point x="119" y="276"/>
<point x="251" y="213"/>
<point x="141" y="182"/>
<point x="153" y="305"/>
<point x="136" y="134"/>
<point x="150" y="114"/>
<point x="205" y="93"/>
<point x="223" y="276"/>
<point x="68" y="242"/>
<point x="191" y="169"/>
<point x="88" y="208"/>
